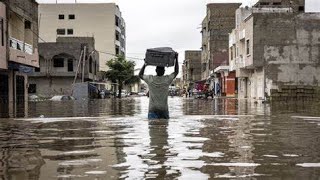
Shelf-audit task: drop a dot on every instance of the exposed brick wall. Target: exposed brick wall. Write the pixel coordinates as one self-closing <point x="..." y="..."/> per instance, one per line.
<point x="294" y="93"/>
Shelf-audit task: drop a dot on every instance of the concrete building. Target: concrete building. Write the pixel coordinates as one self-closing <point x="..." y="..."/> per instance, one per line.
<point x="275" y="52"/>
<point x="18" y="53"/>
<point x="61" y="65"/>
<point x="103" y="21"/>
<point x="192" y="65"/>
<point x="216" y="26"/>
<point x="294" y="5"/>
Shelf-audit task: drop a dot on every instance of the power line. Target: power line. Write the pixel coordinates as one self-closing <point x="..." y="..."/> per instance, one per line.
<point x="136" y="58"/>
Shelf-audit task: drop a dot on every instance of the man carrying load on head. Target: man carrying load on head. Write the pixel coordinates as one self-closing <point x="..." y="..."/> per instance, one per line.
<point x="159" y="90"/>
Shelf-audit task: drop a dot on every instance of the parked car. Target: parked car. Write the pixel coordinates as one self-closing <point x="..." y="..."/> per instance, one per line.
<point x="62" y="98"/>
<point x="142" y="94"/>
<point x="124" y="93"/>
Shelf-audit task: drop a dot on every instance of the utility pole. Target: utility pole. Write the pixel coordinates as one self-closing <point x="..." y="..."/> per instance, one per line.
<point x="76" y="75"/>
<point x="83" y="61"/>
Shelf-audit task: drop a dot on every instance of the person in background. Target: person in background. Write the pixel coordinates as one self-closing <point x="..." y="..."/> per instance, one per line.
<point x="159" y="90"/>
<point x="218" y="89"/>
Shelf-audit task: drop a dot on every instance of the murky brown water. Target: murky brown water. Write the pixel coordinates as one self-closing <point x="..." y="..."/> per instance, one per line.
<point x="204" y="139"/>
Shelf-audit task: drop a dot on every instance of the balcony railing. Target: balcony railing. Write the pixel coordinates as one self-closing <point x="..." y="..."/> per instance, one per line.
<point x="20" y="45"/>
<point x="271" y="9"/>
<point x="242" y="34"/>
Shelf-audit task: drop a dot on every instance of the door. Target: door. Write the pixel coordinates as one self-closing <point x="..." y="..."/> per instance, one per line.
<point x="4" y="96"/>
<point x="70" y="65"/>
<point x="20" y="96"/>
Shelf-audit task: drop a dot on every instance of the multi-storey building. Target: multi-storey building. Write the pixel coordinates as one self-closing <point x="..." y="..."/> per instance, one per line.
<point x="216" y="26"/>
<point x="65" y="62"/>
<point x="184" y="76"/>
<point x="192" y="65"/>
<point x="18" y="53"/>
<point x="103" y="21"/>
<point x="294" y="5"/>
<point x="274" y="51"/>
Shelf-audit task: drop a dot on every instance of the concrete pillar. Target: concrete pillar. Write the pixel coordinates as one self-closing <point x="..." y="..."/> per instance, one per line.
<point x="11" y="104"/>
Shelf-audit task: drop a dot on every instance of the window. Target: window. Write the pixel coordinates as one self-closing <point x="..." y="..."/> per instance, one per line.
<point x="2" y="33"/>
<point x="36" y="69"/>
<point x="72" y="16"/>
<point x="264" y="3"/>
<point x="248" y="46"/>
<point x="90" y="65"/>
<point x="61" y="31"/>
<point x="231" y="53"/>
<point x="117" y="50"/>
<point x="58" y="62"/>
<point x="301" y="8"/>
<point x="32" y="88"/>
<point x="27" y="24"/>
<point x="18" y="46"/>
<point x="61" y="16"/>
<point x="117" y="36"/>
<point x="277" y="3"/>
<point x="70" y="65"/>
<point x="117" y="20"/>
<point x="70" y="31"/>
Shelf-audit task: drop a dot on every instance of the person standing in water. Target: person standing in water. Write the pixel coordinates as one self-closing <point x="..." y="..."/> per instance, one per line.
<point x="159" y="90"/>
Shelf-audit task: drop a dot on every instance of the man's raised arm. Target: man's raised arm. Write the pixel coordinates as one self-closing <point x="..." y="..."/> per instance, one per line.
<point x="141" y="73"/>
<point x="176" y="67"/>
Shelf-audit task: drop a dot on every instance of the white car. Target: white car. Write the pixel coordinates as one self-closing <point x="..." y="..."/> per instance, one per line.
<point x="142" y="94"/>
<point x="62" y="98"/>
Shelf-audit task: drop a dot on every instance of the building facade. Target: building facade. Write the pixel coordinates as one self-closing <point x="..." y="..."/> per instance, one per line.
<point x="216" y="26"/>
<point x="275" y="52"/>
<point x="18" y="54"/>
<point x="103" y="21"/>
<point x="294" y="5"/>
<point x="192" y="65"/>
<point x="67" y="61"/>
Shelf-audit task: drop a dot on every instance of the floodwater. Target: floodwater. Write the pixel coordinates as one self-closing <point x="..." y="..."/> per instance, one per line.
<point x="204" y="139"/>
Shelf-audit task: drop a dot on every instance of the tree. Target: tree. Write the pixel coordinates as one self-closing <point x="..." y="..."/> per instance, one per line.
<point x="121" y="71"/>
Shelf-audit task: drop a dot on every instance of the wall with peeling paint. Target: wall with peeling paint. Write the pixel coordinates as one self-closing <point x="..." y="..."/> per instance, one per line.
<point x="288" y="47"/>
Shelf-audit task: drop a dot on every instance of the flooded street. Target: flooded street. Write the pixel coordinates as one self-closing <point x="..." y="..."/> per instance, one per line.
<point x="204" y="139"/>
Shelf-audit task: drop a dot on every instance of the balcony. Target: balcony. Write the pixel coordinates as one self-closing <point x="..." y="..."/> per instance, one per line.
<point x="23" y="53"/>
<point x="233" y="65"/>
<point x="232" y="40"/>
<point x="244" y="62"/>
<point x="240" y="62"/>
<point x="242" y="34"/>
<point x="117" y="43"/>
<point x="272" y="9"/>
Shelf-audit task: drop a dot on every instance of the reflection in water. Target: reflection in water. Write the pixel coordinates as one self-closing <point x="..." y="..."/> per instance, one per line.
<point x="158" y="148"/>
<point x="19" y="156"/>
<point x="204" y="139"/>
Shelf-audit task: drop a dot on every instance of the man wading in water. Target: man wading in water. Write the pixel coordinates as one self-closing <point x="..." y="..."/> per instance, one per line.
<point x="159" y="90"/>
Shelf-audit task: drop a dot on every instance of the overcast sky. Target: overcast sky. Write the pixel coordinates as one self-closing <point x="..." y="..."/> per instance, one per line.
<point x="173" y="23"/>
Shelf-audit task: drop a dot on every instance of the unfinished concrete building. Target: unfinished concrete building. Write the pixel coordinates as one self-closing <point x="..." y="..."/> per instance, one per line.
<point x="192" y="65"/>
<point x="62" y="62"/>
<point x="295" y="5"/>
<point x="275" y="53"/>
<point x="216" y="26"/>
<point x="18" y="53"/>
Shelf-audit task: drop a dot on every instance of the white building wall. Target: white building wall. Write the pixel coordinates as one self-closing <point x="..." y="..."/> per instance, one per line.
<point x="255" y="85"/>
<point x="97" y="20"/>
<point x="52" y="87"/>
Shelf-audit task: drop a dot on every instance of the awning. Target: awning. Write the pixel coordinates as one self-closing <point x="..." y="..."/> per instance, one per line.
<point x="200" y="81"/>
<point x="221" y="69"/>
